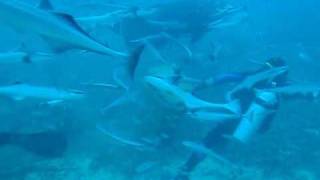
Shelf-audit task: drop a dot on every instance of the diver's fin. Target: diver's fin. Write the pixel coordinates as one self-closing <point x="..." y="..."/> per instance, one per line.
<point x="45" y="5"/>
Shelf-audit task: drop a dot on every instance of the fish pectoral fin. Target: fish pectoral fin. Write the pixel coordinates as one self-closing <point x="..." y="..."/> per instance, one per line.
<point x="45" y="5"/>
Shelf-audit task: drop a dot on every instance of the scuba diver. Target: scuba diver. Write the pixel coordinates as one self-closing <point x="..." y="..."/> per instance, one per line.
<point x="258" y="109"/>
<point x="237" y="77"/>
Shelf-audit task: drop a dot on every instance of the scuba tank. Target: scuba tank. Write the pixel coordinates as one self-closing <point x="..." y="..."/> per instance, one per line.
<point x="258" y="116"/>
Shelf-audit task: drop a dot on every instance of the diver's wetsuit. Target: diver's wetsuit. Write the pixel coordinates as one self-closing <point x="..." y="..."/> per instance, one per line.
<point x="215" y="139"/>
<point x="237" y="77"/>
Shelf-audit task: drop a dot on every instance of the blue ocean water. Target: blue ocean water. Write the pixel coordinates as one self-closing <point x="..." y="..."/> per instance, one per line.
<point x="159" y="90"/>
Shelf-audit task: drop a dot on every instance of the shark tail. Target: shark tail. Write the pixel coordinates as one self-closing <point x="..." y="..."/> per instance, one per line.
<point x="129" y="73"/>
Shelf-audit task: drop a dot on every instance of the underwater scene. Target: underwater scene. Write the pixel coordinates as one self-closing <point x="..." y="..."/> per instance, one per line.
<point x="159" y="90"/>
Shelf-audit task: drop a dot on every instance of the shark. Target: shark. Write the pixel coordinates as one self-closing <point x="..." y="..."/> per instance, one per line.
<point x="22" y="91"/>
<point x="23" y="57"/>
<point x="265" y="76"/>
<point x="176" y="97"/>
<point x="60" y="30"/>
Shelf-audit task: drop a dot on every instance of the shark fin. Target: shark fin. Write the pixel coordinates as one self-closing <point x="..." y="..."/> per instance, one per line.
<point x="68" y="19"/>
<point x="133" y="61"/>
<point x="45" y="5"/>
<point x="125" y="77"/>
<point x="130" y="71"/>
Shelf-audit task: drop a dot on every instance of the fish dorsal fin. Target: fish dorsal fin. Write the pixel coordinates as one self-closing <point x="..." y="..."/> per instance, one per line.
<point x="68" y="19"/>
<point x="45" y="5"/>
